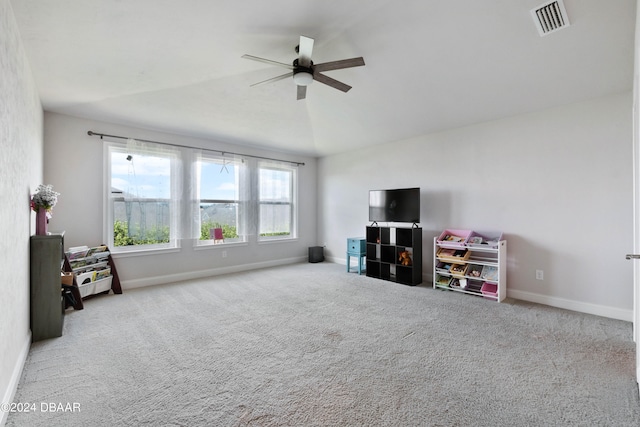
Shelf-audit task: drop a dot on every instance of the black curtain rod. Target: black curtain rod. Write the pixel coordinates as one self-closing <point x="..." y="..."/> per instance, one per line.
<point x="102" y="135"/>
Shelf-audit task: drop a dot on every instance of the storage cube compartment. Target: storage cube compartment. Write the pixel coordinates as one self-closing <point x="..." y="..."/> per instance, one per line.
<point x="484" y="239"/>
<point x="385" y="236"/>
<point x="404" y="236"/>
<point x="373" y="235"/>
<point x="385" y="271"/>
<point x="453" y="255"/>
<point x="404" y="274"/>
<point x="453" y="238"/>
<point x="399" y="258"/>
<point x="459" y="270"/>
<point x="372" y="252"/>
<point x="388" y="254"/>
<point x="489" y="290"/>
<point x="373" y="268"/>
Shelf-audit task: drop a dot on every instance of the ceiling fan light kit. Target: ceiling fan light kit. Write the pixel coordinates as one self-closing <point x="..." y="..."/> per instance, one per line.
<point x="305" y="72"/>
<point x="303" y="78"/>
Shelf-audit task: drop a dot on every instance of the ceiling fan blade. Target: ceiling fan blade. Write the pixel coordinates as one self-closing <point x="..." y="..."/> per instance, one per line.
<point x="273" y="79"/>
<point x="268" y="61"/>
<point x="331" y="82"/>
<point x="302" y="92"/>
<point x="337" y="65"/>
<point x="304" y="51"/>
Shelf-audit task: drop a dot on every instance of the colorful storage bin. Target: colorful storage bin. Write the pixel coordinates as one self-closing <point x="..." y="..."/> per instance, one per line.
<point x="453" y="238"/>
<point x="489" y="290"/>
<point x="486" y="239"/>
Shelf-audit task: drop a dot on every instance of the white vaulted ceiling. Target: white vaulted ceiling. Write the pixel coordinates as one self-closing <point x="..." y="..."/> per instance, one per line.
<point x="431" y="65"/>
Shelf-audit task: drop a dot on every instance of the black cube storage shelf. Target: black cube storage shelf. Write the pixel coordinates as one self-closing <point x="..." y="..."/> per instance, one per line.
<point x="384" y="246"/>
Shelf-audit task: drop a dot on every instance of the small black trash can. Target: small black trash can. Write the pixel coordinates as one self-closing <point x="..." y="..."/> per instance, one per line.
<point x="316" y="254"/>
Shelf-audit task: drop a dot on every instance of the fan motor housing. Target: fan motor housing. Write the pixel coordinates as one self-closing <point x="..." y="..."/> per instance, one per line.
<point x="297" y="68"/>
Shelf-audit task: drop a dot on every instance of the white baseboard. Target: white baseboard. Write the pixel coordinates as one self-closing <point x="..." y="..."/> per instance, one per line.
<point x="10" y="392"/>
<point x="583" y="307"/>
<point x="598" y="310"/>
<point x="180" y="277"/>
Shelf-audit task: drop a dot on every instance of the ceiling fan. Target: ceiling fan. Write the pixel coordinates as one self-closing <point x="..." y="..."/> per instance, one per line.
<point x="304" y="71"/>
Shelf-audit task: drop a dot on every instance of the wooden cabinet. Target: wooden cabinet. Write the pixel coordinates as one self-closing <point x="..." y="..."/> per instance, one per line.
<point x="47" y="304"/>
<point x="385" y="245"/>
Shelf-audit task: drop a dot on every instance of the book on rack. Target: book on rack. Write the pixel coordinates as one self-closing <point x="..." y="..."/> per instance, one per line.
<point x="77" y="252"/>
<point x="98" y="250"/>
<point x="101" y="274"/>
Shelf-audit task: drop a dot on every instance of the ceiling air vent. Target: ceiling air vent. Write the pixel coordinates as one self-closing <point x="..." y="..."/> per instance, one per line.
<point x="550" y="17"/>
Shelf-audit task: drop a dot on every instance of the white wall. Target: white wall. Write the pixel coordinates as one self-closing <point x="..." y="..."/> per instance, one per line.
<point x="558" y="183"/>
<point x="20" y="174"/>
<point x="74" y="165"/>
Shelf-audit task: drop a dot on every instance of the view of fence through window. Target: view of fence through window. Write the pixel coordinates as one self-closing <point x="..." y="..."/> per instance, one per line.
<point x="219" y="182"/>
<point x="141" y="193"/>
<point x="275" y="201"/>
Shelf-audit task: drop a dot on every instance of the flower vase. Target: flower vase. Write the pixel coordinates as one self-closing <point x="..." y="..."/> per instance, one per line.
<point x="41" y="222"/>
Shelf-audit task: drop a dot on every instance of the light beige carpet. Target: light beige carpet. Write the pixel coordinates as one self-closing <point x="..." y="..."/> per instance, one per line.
<point x="312" y="345"/>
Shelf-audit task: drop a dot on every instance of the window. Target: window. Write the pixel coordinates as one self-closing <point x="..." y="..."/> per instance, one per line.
<point x="220" y="186"/>
<point x="144" y="185"/>
<point x="277" y="193"/>
<point x="157" y="195"/>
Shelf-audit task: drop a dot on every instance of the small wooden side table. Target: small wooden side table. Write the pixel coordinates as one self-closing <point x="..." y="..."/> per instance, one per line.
<point x="356" y="246"/>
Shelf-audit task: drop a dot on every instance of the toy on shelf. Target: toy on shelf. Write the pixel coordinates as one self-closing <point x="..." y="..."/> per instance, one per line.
<point x="405" y="258"/>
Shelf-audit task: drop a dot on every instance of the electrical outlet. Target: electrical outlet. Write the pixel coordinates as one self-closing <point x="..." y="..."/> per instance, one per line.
<point x="224" y="254"/>
<point x="539" y="275"/>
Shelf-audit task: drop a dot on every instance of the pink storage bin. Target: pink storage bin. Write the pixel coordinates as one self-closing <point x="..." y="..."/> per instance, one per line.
<point x="462" y="235"/>
<point x="491" y="237"/>
<point x="489" y="290"/>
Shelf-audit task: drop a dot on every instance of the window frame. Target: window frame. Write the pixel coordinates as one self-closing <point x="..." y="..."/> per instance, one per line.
<point x="185" y="198"/>
<point x="241" y="206"/>
<point x="293" y="203"/>
<point x="174" y="157"/>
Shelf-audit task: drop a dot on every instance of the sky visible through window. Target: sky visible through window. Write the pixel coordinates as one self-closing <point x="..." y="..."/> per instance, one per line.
<point x="141" y="176"/>
<point x="147" y="176"/>
<point x="275" y="184"/>
<point x="218" y="180"/>
<point x="150" y="177"/>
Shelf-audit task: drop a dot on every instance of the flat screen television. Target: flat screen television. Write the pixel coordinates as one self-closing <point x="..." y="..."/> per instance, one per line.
<point x="400" y="205"/>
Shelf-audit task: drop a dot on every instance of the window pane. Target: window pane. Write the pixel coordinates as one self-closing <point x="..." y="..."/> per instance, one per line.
<point x="275" y="220"/>
<point x="276" y="208"/>
<point x="141" y="191"/>
<point x="219" y="180"/>
<point x="275" y="185"/>
<point x="219" y="215"/>
<point x="141" y="222"/>
<point x="219" y="197"/>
